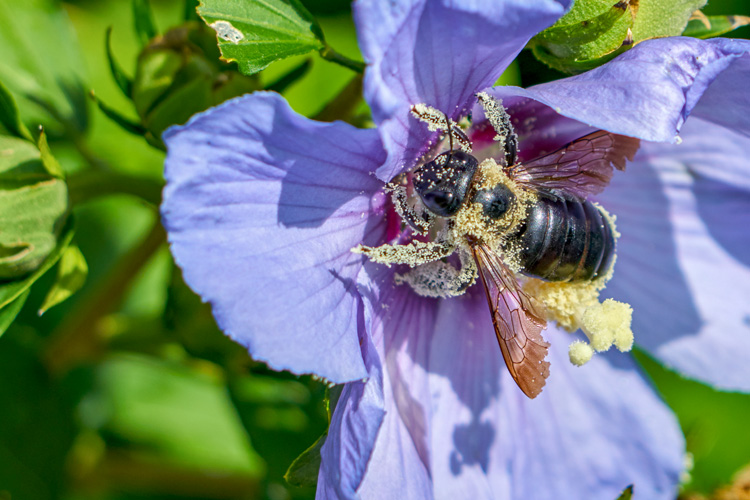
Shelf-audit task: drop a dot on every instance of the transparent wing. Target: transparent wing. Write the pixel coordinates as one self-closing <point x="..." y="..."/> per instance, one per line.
<point x="581" y="168"/>
<point x="518" y="323"/>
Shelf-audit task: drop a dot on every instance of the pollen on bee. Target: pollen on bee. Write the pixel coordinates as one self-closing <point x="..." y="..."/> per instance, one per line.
<point x="470" y="220"/>
<point x="412" y="254"/>
<point x="580" y="352"/>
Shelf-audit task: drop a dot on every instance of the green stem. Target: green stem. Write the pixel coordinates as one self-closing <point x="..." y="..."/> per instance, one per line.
<point x="91" y="184"/>
<point x="329" y="54"/>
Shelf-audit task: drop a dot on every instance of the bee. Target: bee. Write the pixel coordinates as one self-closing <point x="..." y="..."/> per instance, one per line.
<point x="507" y="220"/>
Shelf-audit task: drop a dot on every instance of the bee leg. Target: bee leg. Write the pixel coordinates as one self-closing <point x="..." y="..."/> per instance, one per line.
<point x="413" y="254"/>
<point x="500" y="121"/>
<point x="440" y="279"/>
<point x="436" y="120"/>
<point x="410" y="209"/>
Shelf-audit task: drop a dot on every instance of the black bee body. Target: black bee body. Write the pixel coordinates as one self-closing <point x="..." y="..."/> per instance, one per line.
<point x="560" y="240"/>
<point x="565" y="240"/>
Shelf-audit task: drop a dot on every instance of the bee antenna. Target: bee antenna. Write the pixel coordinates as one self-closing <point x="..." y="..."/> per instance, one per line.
<point x="450" y="132"/>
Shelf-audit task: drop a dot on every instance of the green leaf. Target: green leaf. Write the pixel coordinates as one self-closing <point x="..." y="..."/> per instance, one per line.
<point x="37" y="424"/>
<point x="50" y="163"/>
<point x="256" y="33"/>
<point x="71" y="275"/>
<point x="566" y="36"/>
<point x="33" y="207"/>
<point x="303" y="472"/>
<point x="40" y="62"/>
<point x="145" y="27"/>
<point x="660" y="18"/>
<point x="124" y="82"/>
<point x="626" y="494"/>
<point x="179" y="75"/>
<point x="173" y="413"/>
<point x="9" y="312"/>
<point x="9" y="117"/>
<point x="702" y="26"/>
<point x="595" y="31"/>
<point x="10" y="291"/>
<point x="589" y="31"/>
<point x="114" y="115"/>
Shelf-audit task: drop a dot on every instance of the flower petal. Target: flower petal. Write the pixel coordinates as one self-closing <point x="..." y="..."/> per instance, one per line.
<point x="649" y="91"/>
<point x="726" y="101"/>
<point x="683" y="261"/>
<point x="461" y="424"/>
<point x="540" y="129"/>
<point x="262" y="207"/>
<point x="393" y="314"/>
<point x="351" y="436"/>
<point x="592" y="431"/>
<point x="438" y="53"/>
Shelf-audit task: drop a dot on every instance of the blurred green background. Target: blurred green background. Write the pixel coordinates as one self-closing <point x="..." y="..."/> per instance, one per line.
<point x="128" y="390"/>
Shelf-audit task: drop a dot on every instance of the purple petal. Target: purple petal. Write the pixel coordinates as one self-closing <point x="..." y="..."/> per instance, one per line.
<point x="456" y="425"/>
<point x="683" y="261"/>
<point x="262" y="207"/>
<point x="649" y="91"/>
<point x="727" y="100"/>
<point x="439" y="53"/>
<point x="593" y="430"/>
<point x="540" y="129"/>
<point x="395" y="469"/>
<point x="351" y="436"/>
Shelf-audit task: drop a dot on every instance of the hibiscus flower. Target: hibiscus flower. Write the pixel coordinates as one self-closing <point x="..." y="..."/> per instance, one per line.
<point x="263" y="207"/>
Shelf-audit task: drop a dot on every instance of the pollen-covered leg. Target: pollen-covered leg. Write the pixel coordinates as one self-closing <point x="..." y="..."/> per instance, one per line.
<point x="500" y="121"/>
<point x="440" y="279"/>
<point x="410" y="209"/>
<point x="437" y="120"/>
<point x="413" y="254"/>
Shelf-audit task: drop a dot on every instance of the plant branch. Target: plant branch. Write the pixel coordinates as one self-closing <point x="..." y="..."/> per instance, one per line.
<point x="329" y="54"/>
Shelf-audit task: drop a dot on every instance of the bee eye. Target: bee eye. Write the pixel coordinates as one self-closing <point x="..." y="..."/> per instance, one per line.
<point x="496" y="201"/>
<point x="442" y="184"/>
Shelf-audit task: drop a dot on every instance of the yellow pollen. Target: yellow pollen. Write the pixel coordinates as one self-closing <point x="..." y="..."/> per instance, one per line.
<point x="609" y="323"/>
<point x="580" y="352"/>
<point x="565" y="302"/>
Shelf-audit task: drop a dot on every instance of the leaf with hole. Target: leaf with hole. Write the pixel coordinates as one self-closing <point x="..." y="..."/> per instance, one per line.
<point x="256" y="33"/>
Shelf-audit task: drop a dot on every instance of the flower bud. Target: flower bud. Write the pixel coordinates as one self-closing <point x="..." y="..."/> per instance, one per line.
<point x="179" y="74"/>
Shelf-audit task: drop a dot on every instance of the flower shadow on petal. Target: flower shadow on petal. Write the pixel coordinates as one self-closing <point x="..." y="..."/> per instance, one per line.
<point x="725" y="209"/>
<point x="312" y="191"/>
<point x="473" y="442"/>
<point x="647" y="273"/>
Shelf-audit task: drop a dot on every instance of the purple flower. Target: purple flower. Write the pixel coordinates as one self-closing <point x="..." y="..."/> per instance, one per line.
<point x="264" y="206"/>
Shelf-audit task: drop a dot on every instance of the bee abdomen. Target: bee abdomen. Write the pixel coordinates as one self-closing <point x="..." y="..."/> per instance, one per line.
<point x="566" y="240"/>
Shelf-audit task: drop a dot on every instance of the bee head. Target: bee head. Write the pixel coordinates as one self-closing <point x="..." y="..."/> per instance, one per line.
<point x="442" y="184"/>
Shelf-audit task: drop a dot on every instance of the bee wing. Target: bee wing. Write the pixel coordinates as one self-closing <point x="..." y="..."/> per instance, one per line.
<point x="517" y="320"/>
<point x="580" y="168"/>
